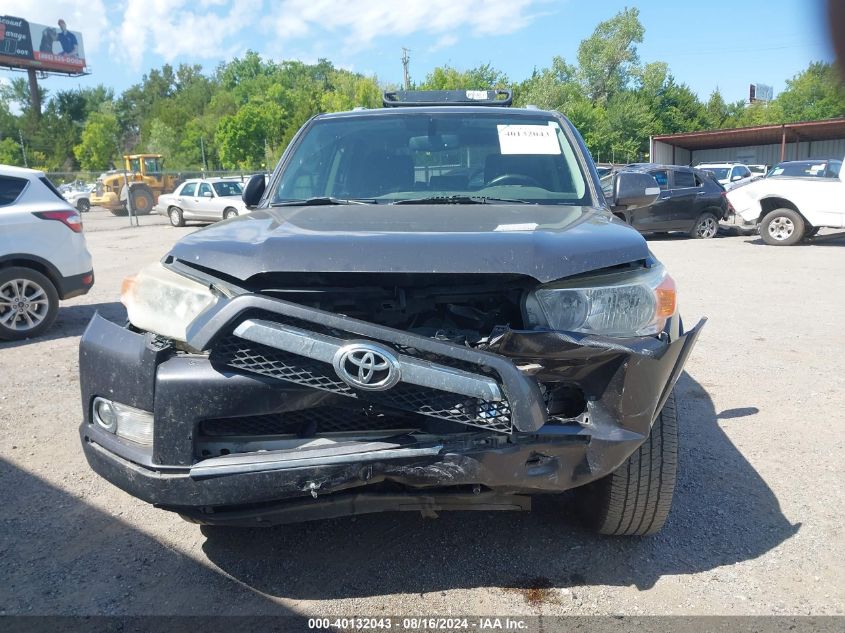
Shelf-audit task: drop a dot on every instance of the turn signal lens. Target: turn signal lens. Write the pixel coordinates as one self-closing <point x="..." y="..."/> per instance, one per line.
<point x="666" y="298"/>
<point x="126" y="289"/>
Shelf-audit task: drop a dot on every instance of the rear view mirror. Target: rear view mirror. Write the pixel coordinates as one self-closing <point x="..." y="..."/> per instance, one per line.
<point x="253" y="191"/>
<point x="633" y="189"/>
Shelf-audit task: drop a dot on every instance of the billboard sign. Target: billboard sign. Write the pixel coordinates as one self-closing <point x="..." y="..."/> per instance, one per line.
<point x="760" y="92"/>
<point x="50" y="48"/>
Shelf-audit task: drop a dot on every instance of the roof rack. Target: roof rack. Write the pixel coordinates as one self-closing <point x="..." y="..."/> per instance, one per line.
<point x="416" y="98"/>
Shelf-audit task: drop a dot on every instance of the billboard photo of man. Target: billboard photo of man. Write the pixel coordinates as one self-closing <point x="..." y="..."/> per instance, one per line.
<point x="70" y="46"/>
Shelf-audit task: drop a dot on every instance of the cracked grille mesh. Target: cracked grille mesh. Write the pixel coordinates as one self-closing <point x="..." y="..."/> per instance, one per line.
<point x="268" y="361"/>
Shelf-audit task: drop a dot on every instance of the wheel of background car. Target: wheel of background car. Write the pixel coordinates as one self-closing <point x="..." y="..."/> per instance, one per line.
<point x="175" y="215"/>
<point x="142" y="201"/>
<point x="230" y="213"/>
<point x="635" y="499"/>
<point x="28" y="303"/>
<point x="83" y="206"/>
<point x="706" y="227"/>
<point x="513" y="179"/>
<point x="782" y="227"/>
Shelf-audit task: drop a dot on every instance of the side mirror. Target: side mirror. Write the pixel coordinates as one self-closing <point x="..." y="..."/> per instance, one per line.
<point x="253" y="191"/>
<point x="737" y="177"/>
<point x="206" y="194"/>
<point x="633" y="189"/>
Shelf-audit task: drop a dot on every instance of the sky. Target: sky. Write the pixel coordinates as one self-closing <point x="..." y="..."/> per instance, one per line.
<point x="721" y="43"/>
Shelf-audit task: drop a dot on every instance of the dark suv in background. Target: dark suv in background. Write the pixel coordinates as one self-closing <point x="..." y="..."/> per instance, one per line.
<point x="690" y="200"/>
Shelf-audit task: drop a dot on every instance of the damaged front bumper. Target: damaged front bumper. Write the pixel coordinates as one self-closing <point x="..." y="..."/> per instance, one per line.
<point x="257" y="427"/>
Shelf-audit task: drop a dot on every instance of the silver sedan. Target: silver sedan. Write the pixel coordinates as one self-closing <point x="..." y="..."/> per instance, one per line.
<point x="207" y="199"/>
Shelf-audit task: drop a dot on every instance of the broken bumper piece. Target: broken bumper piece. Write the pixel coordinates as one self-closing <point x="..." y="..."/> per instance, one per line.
<point x="260" y="426"/>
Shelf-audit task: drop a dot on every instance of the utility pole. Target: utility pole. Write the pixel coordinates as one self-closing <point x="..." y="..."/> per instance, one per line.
<point x="23" y="148"/>
<point x="202" y="149"/>
<point x="406" y="75"/>
<point x="34" y="95"/>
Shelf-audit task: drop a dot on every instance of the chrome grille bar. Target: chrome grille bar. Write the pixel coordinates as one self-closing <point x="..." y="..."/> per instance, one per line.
<point x="413" y="370"/>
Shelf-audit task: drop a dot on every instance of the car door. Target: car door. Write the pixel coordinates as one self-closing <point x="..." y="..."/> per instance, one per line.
<point x="654" y="216"/>
<point x="185" y="198"/>
<point x="685" y="194"/>
<point x="207" y="203"/>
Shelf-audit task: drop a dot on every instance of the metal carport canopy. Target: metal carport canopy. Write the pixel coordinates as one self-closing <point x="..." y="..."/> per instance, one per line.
<point x="757" y="135"/>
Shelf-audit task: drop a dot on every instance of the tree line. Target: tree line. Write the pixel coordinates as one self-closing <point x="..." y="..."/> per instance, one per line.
<point x="244" y="113"/>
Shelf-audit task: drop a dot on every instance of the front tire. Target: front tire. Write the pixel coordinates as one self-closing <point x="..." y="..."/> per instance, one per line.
<point x="706" y="227"/>
<point x="635" y="499"/>
<point x="142" y="201"/>
<point x="83" y="206"/>
<point x="28" y="303"/>
<point x="175" y="215"/>
<point x="230" y="213"/>
<point x="782" y="227"/>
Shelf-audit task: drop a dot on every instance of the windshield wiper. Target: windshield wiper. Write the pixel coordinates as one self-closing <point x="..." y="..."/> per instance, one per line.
<point x="319" y="201"/>
<point x="462" y="200"/>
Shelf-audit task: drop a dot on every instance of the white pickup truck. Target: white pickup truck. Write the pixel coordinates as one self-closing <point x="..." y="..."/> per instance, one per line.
<point x="788" y="209"/>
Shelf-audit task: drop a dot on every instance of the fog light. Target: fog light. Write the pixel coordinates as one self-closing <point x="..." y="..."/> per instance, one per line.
<point x="104" y="414"/>
<point x="124" y="421"/>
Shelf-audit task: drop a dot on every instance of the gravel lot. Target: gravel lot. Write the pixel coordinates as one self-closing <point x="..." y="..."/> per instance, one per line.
<point x="756" y="527"/>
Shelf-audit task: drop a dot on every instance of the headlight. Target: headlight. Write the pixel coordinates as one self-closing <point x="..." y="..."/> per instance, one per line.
<point x="622" y="304"/>
<point x="161" y="301"/>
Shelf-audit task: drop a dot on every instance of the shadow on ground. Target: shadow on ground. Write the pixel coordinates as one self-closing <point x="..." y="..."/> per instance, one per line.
<point x="724" y="513"/>
<point x="62" y="556"/>
<point x="72" y="321"/>
<point x="827" y="239"/>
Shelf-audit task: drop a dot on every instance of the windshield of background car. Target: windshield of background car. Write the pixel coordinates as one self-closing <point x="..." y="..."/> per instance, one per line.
<point x="721" y="173"/>
<point x="228" y="188"/>
<point x="800" y="170"/>
<point x="390" y="157"/>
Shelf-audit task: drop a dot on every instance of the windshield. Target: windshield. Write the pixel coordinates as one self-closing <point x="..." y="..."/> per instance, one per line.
<point x="805" y="170"/>
<point x="721" y="173"/>
<point x="228" y="188"/>
<point x="393" y="157"/>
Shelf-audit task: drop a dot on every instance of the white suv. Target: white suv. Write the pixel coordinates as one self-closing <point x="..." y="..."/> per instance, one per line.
<point x="43" y="256"/>
<point x="727" y="173"/>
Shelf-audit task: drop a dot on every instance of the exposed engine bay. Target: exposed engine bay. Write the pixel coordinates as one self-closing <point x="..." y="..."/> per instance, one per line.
<point x="463" y="309"/>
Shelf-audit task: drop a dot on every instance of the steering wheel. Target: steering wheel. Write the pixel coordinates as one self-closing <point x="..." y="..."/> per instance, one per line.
<point x="513" y="179"/>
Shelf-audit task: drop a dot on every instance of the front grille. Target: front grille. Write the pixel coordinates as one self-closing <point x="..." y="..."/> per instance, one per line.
<point x="267" y="361"/>
<point x="308" y="423"/>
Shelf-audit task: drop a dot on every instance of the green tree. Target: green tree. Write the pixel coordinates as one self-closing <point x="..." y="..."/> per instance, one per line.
<point x="99" y="142"/>
<point x="249" y="138"/>
<point x="10" y="152"/>
<point x="608" y="58"/>
<point x="479" y="78"/>
<point x="816" y="93"/>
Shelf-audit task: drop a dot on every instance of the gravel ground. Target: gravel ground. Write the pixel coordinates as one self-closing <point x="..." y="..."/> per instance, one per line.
<point x="756" y="527"/>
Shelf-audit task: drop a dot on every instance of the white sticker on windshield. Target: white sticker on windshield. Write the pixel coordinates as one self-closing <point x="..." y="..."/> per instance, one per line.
<point x="528" y="139"/>
<point x="527" y="226"/>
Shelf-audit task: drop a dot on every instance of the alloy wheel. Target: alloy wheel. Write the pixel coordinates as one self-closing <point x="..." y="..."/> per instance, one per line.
<point x="707" y="227"/>
<point x="23" y="305"/>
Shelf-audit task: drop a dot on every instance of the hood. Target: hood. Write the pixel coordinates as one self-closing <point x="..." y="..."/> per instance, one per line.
<point x="546" y="242"/>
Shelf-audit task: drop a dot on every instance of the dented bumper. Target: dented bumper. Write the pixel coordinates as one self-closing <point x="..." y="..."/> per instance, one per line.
<point x="458" y="454"/>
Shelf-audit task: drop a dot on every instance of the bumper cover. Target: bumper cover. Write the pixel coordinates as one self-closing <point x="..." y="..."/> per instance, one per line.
<point x="75" y="285"/>
<point x="625" y="384"/>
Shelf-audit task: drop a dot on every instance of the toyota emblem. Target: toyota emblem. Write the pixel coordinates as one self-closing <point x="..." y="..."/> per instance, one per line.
<point x="367" y="366"/>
